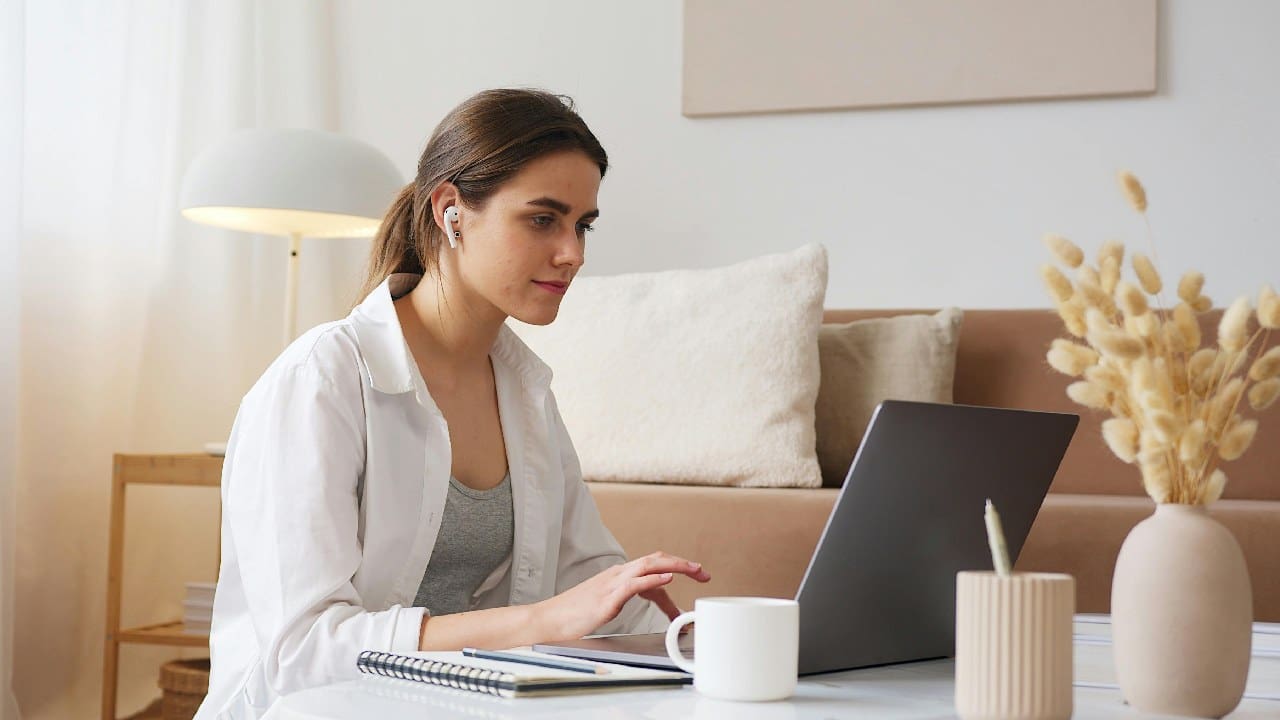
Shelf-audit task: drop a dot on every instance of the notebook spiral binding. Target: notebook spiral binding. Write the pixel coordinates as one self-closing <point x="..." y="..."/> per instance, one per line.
<point x="434" y="672"/>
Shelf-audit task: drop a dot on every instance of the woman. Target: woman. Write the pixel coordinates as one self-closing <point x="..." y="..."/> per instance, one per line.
<point x="401" y="479"/>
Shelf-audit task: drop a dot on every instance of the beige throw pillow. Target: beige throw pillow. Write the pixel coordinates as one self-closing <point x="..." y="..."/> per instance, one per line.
<point x="703" y="377"/>
<point x="907" y="357"/>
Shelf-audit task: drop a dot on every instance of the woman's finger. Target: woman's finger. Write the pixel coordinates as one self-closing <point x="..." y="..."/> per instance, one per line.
<point x="659" y="597"/>
<point x="663" y="563"/>
<point x="644" y="584"/>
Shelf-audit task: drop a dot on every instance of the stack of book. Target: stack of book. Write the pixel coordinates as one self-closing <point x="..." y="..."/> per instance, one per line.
<point x="197" y="609"/>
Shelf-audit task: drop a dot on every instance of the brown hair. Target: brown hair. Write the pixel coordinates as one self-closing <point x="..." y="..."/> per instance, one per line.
<point x="478" y="146"/>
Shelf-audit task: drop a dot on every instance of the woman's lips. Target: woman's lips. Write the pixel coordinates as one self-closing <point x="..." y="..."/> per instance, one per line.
<point x="557" y="288"/>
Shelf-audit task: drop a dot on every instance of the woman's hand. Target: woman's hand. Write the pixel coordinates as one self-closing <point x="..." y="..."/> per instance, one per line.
<point x="597" y="600"/>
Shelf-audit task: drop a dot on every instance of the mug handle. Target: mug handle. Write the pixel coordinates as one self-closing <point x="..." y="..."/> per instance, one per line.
<point x="673" y="641"/>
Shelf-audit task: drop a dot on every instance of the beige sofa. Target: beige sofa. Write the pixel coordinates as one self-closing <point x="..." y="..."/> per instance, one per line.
<point x="758" y="541"/>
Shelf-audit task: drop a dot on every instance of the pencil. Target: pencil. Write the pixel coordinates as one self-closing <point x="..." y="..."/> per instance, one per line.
<point x="995" y="538"/>
<point x="574" y="665"/>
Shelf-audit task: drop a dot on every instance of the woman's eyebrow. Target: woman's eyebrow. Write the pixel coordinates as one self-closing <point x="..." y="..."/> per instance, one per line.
<point x="560" y="207"/>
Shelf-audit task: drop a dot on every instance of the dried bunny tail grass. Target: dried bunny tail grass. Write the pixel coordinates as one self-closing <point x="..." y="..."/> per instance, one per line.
<point x="1133" y="191"/>
<point x="1096" y="320"/>
<point x="1088" y="395"/>
<point x="1148" y="276"/>
<point x="1223" y="404"/>
<point x="1193" y="445"/>
<point x="1213" y="487"/>
<point x="1184" y="319"/>
<point x="1144" y="326"/>
<point x="1121" y="435"/>
<point x="1190" y="285"/>
<point x="1132" y="300"/>
<point x="1156" y="478"/>
<point x="1203" y="379"/>
<point x="1110" y="263"/>
<point x="1200" y="361"/>
<point x="1072" y="314"/>
<point x="1164" y="381"/>
<point x="1109" y="273"/>
<point x="1092" y="292"/>
<point x="1202" y="304"/>
<point x="1173" y="337"/>
<point x="1146" y="386"/>
<point x="1267" y="366"/>
<point x="1263" y="394"/>
<point x="1117" y="344"/>
<point x="1236" y="440"/>
<point x="1113" y="249"/>
<point x="1106" y="377"/>
<point x="1181" y="385"/>
<point x="1070" y="358"/>
<point x="1057" y="283"/>
<point x="1165" y="425"/>
<point x="1067" y="252"/>
<point x="1233" y="330"/>
<point x="1268" y="308"/>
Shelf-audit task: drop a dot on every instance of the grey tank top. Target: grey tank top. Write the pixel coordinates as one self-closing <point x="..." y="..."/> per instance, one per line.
<point x="475" y="537"/>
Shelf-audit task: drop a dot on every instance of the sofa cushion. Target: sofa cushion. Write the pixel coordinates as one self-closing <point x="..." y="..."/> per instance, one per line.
<point x="692" y="376"/>
<point x="910" y="357"/>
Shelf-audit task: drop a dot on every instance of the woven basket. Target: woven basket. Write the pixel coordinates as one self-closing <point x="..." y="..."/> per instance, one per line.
<point x="184" y="684"/>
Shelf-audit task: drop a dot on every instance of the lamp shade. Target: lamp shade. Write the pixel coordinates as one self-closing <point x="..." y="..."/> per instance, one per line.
<point x="290" y="182"/>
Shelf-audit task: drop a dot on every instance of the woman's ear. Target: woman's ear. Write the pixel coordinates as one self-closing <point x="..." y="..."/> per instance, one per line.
<point x="444" y="196"/>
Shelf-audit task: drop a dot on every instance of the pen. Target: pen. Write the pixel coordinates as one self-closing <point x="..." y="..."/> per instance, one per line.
<point x="557" y="663"/>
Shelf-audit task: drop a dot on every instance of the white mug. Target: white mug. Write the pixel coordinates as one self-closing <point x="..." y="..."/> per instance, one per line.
<point x="746" y="648"/>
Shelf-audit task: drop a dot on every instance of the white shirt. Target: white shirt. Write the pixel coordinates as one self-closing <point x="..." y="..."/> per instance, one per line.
<point x="333" y="489"/>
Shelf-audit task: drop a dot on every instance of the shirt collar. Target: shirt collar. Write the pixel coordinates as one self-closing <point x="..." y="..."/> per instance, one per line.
<point x="391" y="366"/>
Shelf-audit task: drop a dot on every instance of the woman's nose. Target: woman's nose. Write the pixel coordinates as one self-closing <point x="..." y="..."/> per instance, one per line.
<point x="571" y="251"/>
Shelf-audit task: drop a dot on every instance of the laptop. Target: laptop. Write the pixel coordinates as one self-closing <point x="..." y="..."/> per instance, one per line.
<point x="880" y="587"/>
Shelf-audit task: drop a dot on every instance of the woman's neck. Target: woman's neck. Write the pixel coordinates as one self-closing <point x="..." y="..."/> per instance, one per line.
<point x="446" y="330"/>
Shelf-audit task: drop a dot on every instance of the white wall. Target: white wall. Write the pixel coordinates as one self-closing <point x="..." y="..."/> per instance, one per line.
<point x="918" y="207"/>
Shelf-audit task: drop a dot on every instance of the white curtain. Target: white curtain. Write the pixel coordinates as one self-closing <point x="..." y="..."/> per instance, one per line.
<point x="138" y="331"/>
<point x="11" y="32"/>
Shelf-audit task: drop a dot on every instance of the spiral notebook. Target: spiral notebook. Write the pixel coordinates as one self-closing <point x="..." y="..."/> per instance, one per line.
<point x="509" y="679"/>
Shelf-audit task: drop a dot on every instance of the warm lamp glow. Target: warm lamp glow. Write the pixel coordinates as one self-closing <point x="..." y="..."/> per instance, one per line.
<point x="275" y="221"/>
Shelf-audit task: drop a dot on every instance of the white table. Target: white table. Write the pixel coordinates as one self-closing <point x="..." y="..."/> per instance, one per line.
<point x="916" y="690"/>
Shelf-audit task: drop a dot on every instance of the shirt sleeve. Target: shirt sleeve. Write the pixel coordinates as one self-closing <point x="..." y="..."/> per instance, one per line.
<point x="586" y="545"/>
<point x="293" y="464"/>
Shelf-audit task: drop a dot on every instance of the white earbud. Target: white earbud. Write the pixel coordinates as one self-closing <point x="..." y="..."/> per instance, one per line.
<point x="451" y="217"/>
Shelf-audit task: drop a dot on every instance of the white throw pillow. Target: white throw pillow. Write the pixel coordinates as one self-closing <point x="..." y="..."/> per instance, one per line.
<point x="692" y="376"/>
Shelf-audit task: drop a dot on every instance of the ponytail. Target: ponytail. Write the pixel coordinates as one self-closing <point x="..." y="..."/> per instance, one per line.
<point x="397" y="247"/>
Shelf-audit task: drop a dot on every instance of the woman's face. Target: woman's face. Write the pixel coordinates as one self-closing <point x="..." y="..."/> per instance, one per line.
<point x="524" y="248"/>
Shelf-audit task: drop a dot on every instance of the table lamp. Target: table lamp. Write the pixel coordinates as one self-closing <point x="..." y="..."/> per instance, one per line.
<point x="292" y="183"/>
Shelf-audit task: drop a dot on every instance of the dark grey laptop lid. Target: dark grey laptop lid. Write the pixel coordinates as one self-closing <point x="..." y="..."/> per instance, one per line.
<point x="880" y="587"/>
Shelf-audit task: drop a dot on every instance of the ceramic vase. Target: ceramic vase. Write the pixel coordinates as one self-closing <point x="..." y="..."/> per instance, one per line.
<point x="1181" y="615"/>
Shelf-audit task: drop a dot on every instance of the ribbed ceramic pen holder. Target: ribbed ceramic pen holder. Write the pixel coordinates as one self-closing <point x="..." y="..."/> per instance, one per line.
<point x="1013" y="645"/>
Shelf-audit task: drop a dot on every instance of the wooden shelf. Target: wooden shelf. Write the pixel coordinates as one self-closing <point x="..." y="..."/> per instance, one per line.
<point x="196" y="469"/>
<point x="190" y="470"/>
<point x="170" y="633"/>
